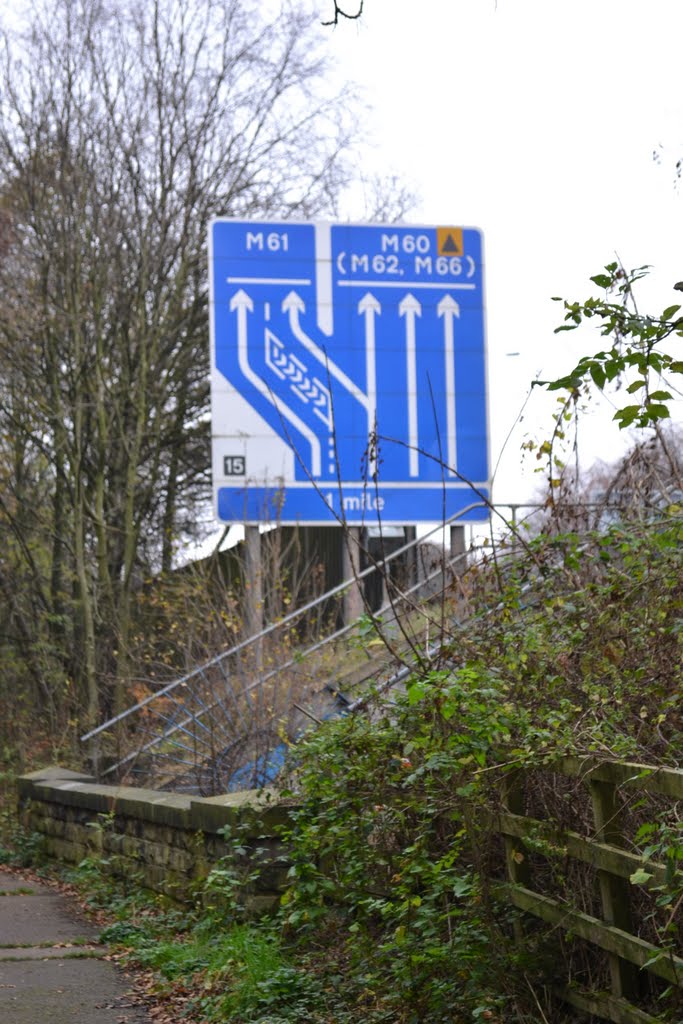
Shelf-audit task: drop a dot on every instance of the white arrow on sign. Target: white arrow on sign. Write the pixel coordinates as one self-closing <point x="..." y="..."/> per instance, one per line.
<point x="369" y="308"/>
<point x="243" y="304"/>
<point x="294" y="305"/>
<point x="448" y="308"/>
<point x="411" y="308"/>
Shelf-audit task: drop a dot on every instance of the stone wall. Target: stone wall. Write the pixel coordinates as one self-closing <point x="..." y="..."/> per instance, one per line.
<point x="165" y="841"/>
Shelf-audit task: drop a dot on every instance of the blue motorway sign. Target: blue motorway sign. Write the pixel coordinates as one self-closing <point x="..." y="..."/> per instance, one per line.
<point x="348" y="372"/>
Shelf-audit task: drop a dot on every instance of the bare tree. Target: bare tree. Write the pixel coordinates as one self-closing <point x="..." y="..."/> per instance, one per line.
<point x="643" y="485"/>
<point x="124" y="127"/>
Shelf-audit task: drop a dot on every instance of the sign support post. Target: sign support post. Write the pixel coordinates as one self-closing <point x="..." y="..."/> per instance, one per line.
<point x="353" y="596"/>
<point x="253" y="587"/>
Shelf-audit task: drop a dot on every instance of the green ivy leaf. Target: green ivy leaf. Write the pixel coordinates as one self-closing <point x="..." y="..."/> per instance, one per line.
<point x="626" y="416"/>
<point x="598" y="374"/>
<point x="640" y="877"/>
<point x="657" y="412"/>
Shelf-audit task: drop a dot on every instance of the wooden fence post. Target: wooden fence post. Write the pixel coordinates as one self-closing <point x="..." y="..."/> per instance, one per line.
<point x="614" y="891"/>
<point x="516" y="856"/>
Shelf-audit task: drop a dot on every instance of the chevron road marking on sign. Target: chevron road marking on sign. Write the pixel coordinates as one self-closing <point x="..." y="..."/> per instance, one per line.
<point x="304" y="385"/>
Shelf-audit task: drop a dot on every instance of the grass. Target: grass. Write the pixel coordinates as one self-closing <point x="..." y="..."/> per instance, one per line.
<point x="241" y="973"/>
<point x="216" y="970"/>
<point x="209" y="969"/>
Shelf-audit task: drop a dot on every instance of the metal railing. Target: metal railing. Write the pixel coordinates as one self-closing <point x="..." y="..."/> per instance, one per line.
<point x="228" y="723"/>
<point x="242" y="706"/>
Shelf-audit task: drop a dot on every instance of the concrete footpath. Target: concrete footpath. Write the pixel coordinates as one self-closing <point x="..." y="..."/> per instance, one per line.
<point x="52" y="969"/>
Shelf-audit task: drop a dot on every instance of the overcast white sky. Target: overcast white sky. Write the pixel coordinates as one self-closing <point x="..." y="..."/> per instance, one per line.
<point x="537" y="122"/>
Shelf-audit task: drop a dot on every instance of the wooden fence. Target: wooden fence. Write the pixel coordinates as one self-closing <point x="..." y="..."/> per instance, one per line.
<point x="157" y="834"/>
<point x="606" y="849"/>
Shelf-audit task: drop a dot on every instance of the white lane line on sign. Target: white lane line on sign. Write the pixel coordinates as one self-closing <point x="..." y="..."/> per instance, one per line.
<point x="406" y="284"/>
<point x="268" y="280"/>
<point x="323" y="277"/>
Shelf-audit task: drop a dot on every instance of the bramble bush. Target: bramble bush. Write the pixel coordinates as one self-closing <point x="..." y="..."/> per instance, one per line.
<point x="392" y="857"/>
<point x="391" y="914"/>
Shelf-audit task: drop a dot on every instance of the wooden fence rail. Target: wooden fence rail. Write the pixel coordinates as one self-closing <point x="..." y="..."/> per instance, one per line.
<point x="606" y="850"/>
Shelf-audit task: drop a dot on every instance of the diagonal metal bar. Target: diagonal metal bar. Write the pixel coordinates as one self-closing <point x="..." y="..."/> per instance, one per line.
<point x="286" y="620"/>
<point x="301" y="657"/>
<point x="318" y="645"/>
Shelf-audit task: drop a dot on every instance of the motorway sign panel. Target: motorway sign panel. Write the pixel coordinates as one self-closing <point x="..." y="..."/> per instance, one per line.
<point x="348" y="372"/>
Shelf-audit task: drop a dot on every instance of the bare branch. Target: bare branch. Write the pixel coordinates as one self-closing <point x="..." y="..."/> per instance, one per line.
<point x="339" y="12"/>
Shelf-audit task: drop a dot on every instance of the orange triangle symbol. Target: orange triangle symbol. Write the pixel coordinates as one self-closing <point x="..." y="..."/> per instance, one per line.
<point x="449" y="245"/>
